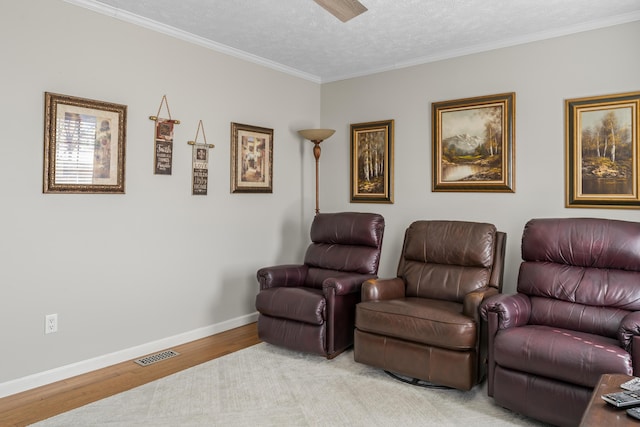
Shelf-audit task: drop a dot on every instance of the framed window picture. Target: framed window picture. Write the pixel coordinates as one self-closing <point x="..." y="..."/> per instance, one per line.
<point x="602" y="151"/>
<point x="473" y="144"/>
<point x="251" y="159"/>
<point x="84" y="145"/>
<point x="372" y="162"/>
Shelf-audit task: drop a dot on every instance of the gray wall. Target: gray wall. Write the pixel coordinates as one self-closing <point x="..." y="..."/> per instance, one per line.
<point x="122" y="271"/>
<point x="122" y="289"/>
<point x="542" y="74"/>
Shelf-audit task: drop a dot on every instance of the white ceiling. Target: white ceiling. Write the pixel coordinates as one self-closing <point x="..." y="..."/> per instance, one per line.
<point x="301" y="38"/>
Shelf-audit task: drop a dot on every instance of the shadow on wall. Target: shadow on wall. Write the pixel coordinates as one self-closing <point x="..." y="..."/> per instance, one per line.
<point x="236" y="296"/>
<point x="294" y="240"/>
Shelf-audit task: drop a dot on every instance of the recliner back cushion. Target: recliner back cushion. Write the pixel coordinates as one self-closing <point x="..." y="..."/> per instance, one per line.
<point x="348" y="228"/>
<point x="583" y="242"/>
<point x="446" y="259"/>
<point x="346" y="241"/>
<point x="359" y="259"/>
<point x="603" y="321"/>
<point x="590" y="267"/>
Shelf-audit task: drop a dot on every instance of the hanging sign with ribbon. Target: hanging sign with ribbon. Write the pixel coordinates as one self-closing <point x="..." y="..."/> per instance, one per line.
<point x="163" y="153"/>
<point x="200" y="161"/>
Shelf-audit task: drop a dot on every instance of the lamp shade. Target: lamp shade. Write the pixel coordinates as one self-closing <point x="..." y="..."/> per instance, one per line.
<point x="316" y="134"/>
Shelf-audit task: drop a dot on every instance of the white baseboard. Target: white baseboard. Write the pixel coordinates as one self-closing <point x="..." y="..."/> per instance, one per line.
<point x="64" y="372"/>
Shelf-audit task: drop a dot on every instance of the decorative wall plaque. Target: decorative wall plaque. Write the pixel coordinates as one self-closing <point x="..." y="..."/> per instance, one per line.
<point x="163" y="153"/>
<point x="200" y="164"/>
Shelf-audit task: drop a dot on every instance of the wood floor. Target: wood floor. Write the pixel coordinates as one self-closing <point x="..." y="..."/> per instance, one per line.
<point x="44" y="402"/>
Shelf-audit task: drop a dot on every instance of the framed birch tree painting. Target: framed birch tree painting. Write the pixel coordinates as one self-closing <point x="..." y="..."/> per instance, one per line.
<point x="372" y="162"/>
<point x="602" y="151"/>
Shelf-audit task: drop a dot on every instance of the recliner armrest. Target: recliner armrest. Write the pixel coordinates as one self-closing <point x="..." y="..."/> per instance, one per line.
<point x="282" y="275"/>
<point x="472" y="301"/>
<point x="629" y="327"/>
<point x="512" y="310"/>
<point x="383" y="289"/>
<point x="346" y="284"/>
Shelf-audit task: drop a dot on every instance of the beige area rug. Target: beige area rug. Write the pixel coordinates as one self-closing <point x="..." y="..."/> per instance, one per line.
<point x="265" y="385"/>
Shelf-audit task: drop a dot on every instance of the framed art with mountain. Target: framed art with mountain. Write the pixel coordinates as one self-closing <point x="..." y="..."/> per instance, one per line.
<point x="473" y="144"/>
<point x="602" y="150"/>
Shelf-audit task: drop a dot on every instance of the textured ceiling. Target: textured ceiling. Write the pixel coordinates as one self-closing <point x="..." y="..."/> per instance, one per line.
<point x="299" y="37"/>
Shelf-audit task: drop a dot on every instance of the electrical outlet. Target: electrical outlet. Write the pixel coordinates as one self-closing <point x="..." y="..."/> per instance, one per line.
<point x="50" y="323"/>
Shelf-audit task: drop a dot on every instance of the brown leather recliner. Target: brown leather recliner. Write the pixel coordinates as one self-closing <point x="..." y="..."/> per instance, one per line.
<point x="574" y="317"/>
<point x="425" y="323"/>
<point x="310" y="307"/>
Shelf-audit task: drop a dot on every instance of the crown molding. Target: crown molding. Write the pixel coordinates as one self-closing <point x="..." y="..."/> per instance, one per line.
<point x="190" y="38"/>
<point x="514" y="41"/>
<point x="479" y="48"/>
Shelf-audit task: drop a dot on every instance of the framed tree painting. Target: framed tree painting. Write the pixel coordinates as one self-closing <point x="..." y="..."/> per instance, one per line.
<point x="602" y="151"/>
<point x="473" y="144"/>
<point x="372" y="162"/>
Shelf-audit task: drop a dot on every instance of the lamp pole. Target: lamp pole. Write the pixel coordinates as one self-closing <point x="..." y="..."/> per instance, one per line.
<point x="316" y="154"/>
<point x="316" y="136"/>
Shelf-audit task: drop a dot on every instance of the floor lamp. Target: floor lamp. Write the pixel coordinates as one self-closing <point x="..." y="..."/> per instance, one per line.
<point x="316" y="136"/>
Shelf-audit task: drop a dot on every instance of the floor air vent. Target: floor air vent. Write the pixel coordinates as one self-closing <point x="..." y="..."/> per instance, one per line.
<point x="149" y="360"/>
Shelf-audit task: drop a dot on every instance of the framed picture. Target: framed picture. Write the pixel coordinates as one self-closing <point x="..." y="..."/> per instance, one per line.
<point x="251" y="159"/>
<point x="602" y="151"/>
<point x="84" y="145"/>
<point x="372" y="162"/>
<point x="473" y="144"/>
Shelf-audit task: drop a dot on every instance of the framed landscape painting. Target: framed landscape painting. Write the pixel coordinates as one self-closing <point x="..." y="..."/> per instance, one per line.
<point x="602" y="151"/>
<point x="473" y="144"/>
<point x="372" y="162"/>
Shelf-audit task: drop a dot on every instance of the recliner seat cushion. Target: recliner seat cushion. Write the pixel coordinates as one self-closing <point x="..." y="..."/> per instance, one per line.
<point x="431" y="322"/>
<point x="562" y="354"/>
<point x="302" y="304"/>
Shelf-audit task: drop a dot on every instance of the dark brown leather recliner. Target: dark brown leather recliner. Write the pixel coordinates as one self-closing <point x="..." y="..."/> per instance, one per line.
<point x="574" y="317"/>
<point x="310" y="307"/>
<point x="425" y="323"/>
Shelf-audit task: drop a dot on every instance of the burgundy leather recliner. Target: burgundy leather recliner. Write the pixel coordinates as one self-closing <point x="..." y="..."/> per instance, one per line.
<point x="575" y="316"/>
<point x="425" y="324"/>
<point x="310" y="307"/>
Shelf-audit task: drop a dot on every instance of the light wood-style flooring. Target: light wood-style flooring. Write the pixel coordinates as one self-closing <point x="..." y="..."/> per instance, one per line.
<point x="44" y="402"/>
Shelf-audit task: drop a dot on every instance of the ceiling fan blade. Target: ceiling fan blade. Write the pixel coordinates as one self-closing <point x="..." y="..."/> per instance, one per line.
<point x="344" y="10"/>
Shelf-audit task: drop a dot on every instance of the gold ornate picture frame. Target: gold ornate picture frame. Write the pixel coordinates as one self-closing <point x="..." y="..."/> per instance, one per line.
<point x="602" y="151"/>
<point x="84" y="145"/>
<point x="251" y="159"/>
<point x="474" y="144"/>
<point x="372" y="162"/>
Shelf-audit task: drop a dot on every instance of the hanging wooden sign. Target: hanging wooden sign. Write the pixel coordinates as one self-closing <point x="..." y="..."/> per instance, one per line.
<point x="163" y="153"/>
<point x="200" y="163"/>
